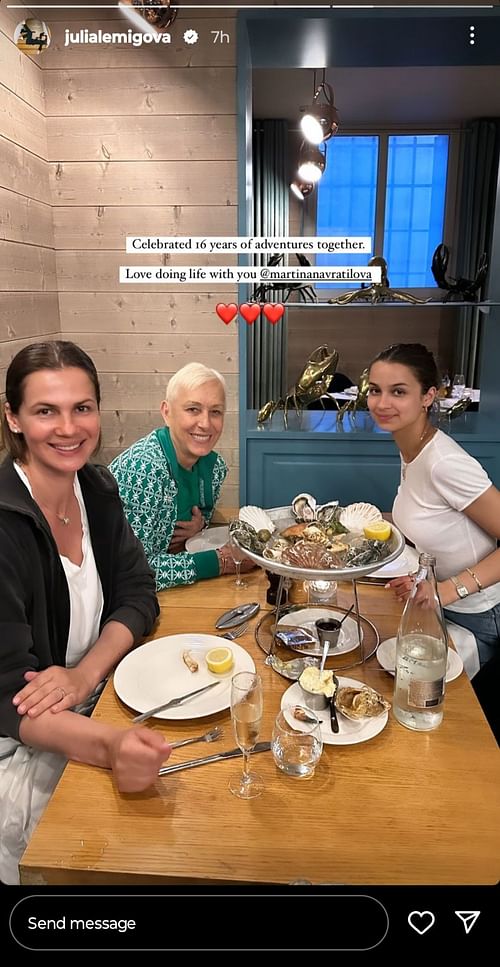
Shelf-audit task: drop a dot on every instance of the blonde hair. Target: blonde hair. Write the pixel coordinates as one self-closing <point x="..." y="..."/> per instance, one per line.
<point x="191" y="376"/>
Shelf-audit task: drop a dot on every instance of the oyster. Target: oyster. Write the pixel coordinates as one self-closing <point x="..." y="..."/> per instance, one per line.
<point x="304" y="507"/>
<point x="363" y="551"/>
<point x="247" y="536"/>
<point x="359" y="703"/>
<point x="356" y="516"/>
<point x="258" y="519"/>
<point x="328" y="513"/>
<point x="309" y="555"/>
<point x="315" y="534"/>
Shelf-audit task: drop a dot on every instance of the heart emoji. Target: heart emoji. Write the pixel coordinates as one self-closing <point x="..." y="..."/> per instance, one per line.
<point x="421" y="920"/>
<point x="226" y="312"/>
<point x="249" y="311"/>
<point x="273" y="311"/>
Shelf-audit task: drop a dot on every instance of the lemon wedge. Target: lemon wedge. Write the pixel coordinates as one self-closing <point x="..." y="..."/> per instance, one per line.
<point x="219" y="660"/>
<point x="378" y="530"/>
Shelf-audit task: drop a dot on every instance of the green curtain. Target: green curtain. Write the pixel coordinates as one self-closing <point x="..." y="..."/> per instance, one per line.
<point x="475" y="226"/>
<point x="267" y="347"/>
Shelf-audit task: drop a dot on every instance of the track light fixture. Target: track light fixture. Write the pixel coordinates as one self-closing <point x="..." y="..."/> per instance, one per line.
<point x="321" y="120"/>
<point x="301" y="189"/>
<point x="157" y="13"/>
<point x="312" y="163"/>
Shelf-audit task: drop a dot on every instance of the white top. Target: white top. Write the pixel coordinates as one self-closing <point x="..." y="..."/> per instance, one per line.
<point x="438" y="485"/>
<point x="85" y="590"/>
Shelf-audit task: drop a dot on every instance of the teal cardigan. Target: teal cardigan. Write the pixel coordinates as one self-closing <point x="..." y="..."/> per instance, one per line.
<point x="146" y="478"/>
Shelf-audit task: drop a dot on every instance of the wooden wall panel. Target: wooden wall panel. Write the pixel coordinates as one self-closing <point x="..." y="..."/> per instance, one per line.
<point x="144" y="183"/>
<point x="21" y="123"/>
<point x="27" y="268"/>
<point x="23" y="172"/>
<point x="174" y="138"/>
<point x="21" y="74"/>
<point x="106" y="227"/>
<point x="144" y="312"/>
<point x="23" y="218"/>
<point x="125" y="92"/>
<point x="28" y="315"/>
<point x="81" y="271"/>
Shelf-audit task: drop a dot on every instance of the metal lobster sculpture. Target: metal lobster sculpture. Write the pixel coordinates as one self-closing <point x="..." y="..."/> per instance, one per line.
<point x="263" y="292"/>
<point x="461" y="288"/>
<point x="377" y="291"/>
<point x="311" y="385"/>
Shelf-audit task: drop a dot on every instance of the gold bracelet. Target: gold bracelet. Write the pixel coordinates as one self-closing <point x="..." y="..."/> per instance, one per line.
<point x="475" y="578"/>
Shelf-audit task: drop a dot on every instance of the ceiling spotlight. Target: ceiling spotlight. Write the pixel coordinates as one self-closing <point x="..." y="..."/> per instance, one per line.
<point x="157" y="13"/>
<point x="301" y="189"/>
<point x="321" y="120"/>
<point x="312" y="163"/>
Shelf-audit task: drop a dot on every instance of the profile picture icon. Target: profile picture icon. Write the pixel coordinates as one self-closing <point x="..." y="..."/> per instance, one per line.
<point x="32" y="36"/>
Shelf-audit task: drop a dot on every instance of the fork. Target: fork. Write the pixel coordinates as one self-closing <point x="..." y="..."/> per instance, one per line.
<point x="231" y="635"/>
<point x="211" y="736"/>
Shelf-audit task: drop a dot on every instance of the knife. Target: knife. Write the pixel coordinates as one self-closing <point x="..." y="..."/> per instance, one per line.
<point x="173" y="703"/>
<point x="192" y="763"/>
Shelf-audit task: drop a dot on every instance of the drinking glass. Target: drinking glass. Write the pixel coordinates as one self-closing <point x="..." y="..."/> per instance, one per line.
<point x="296" y="748"/>
<point x="238" y="555"/>
<point x="246" y="716"/>
<point x="458" y="385"/>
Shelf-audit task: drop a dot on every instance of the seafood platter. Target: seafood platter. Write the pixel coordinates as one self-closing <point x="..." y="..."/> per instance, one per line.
<point x="309" y="541"/>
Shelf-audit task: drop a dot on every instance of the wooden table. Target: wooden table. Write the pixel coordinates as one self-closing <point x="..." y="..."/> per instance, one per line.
<point x="403" y="808"/>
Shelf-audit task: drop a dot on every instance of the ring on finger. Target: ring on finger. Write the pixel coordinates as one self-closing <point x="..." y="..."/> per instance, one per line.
<point x="63" y="693"/>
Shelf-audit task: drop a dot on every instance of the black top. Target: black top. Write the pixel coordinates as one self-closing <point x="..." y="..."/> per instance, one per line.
<point x="34" y="595"/>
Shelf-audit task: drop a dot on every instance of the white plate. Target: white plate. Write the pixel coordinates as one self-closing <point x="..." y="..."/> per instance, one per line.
<point x="208" y="540"/>
<point x="406" y="563"/>
<point x="386" y="654"/>
<point x="350" y="733"/>
<point x="155" y="672"/>
<point x="307" y="617"/>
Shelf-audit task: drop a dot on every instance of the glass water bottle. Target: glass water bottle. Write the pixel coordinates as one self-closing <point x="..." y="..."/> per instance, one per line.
<point x="421" y="655"/>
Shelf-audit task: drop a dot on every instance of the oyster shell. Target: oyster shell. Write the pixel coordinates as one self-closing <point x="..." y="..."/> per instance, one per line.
<point x="309" y="555"/>
<point x="359" y="703"/>
<point x="246" y="535"/>
<point x="304" y="507"/>
<point x="315" y="534"/>
<point x="363" y="551"/>
<point x="327" y="513"/>
<point x="356" y="516"/>
<point x="257" y="518"/>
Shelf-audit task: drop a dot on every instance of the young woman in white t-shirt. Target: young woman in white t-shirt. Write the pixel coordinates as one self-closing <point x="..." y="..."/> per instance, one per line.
<point x="445" y="504"/>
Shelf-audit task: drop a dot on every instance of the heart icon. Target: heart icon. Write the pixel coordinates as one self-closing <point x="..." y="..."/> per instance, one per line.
<point x="226" y="312"/>
<point x="421" y="920"/>
<point x="249" y="311"/>
<point x="273" y="311"/>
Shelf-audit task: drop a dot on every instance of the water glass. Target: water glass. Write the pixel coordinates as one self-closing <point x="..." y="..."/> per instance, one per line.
<point x="322" y="592"/>
<point x="458" y="387"/>
<point x="296" y="748"/>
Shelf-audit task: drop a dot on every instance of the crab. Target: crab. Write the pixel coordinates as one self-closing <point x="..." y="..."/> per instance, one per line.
<point x="311" y="385"/>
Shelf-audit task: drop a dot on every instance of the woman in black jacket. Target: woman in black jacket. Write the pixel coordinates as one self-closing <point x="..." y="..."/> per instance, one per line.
<point x="76" y="593"/>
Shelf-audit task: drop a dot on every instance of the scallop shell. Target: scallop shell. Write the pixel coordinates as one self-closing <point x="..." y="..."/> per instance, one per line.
<point x="356" y="516"/>
<point x="307" y="555"/>
<point x="304" y="507"/>
<point x="257" y="518"/>
<point x="359" y="703"/>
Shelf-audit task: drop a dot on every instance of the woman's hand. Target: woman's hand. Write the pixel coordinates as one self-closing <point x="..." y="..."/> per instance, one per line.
<point x="136" y="756"/>
<point x="403" y="586"/>
<point x="55" y="687"/>
<point x="184" y="529"/>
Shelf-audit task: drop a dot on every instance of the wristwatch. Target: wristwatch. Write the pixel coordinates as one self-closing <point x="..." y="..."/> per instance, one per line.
<point x="461" y="589"/>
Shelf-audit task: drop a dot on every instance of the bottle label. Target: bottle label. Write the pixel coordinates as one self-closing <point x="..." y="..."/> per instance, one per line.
<point x="425" y="694"/>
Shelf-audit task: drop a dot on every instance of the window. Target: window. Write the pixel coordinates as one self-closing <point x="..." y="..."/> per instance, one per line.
<point x="392" y="188"/>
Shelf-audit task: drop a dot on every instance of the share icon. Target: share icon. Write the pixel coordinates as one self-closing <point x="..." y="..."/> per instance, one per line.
<point x="468" y="918"/>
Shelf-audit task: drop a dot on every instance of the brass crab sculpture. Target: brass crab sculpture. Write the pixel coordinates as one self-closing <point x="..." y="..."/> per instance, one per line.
<point x="377" y="291"/>
<point x="311" y="385"/>
<point x="358" y="402"/>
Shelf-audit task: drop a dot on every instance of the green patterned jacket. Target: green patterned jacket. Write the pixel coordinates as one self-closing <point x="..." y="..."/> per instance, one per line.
<point x="149" y="491"/>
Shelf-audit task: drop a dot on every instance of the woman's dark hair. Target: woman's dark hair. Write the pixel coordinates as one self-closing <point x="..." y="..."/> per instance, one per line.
<point x="33" y="358"/>
<point x="417" y="358"/>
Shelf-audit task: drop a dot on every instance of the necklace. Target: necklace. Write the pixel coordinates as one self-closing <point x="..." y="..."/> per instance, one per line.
<point x="426" y="435"/>
<point x="62" y="518"/>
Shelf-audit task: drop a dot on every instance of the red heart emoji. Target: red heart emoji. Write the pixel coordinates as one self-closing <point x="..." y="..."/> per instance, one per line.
<point x="273" y="311"/>
<point x="226" y="312"/>
<point x="249" y="311"/>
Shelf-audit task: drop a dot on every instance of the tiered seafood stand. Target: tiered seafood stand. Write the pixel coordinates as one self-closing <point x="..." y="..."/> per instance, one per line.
<point x="368" y="637"/>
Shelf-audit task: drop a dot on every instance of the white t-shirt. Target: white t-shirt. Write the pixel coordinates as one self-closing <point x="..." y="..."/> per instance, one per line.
<point x="437" y="487"/>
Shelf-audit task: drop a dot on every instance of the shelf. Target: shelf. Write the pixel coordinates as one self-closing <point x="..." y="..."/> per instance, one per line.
<point x="483" y="307"/>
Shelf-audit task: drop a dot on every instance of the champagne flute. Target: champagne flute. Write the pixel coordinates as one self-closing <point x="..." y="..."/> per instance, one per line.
<point x="458" y="388"/>
<point x="246" y="716"/>
<point x="238" y="555"/>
